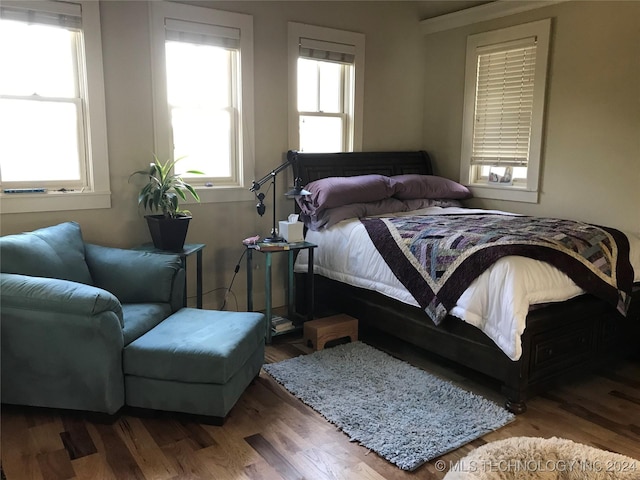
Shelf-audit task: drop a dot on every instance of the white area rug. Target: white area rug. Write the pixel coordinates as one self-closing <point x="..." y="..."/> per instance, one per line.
<point x="403" y="413"/>
<point x="533" y="458"/>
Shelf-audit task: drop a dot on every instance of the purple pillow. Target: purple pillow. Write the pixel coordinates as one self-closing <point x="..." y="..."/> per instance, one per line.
<point x="334" y="192"/>
<point x="331" y="216"/>
<point x="412" y="186"/>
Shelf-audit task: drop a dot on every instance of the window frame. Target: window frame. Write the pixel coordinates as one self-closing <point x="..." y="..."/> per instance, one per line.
<point x="519" y="190"/>
<point x="90" y="76"/>
<point x="352" y="139"/>
<point x="159" y="11"/>
<point x="345" y="101"/>
<point x="231" y="110"/>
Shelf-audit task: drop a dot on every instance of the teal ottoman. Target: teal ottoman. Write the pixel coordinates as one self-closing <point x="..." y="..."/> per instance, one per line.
<point x="195" y="361"/>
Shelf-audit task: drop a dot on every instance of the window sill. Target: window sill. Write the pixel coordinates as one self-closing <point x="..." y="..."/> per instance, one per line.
<point x="513" y="194"/>
<point x="53" y="201"/>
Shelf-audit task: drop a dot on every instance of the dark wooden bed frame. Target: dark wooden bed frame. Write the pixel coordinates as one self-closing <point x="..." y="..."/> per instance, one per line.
<point x="560" y="340"/>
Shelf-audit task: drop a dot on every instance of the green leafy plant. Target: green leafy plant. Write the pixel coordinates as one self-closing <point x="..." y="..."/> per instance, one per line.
<point x="165" y="189"/>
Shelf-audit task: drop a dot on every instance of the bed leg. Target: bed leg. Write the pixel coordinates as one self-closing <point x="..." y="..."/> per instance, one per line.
<point x="515" y="406"/>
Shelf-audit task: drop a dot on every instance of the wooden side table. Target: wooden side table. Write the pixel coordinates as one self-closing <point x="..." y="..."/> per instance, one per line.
<point x="188" y="249"/>
<point x="268" y="251"/>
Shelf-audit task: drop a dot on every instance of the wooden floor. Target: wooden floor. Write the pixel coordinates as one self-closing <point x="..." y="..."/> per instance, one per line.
<point x="269" y="434"/>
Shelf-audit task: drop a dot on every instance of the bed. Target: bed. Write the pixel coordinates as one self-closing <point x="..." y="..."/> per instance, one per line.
<point x="561" y="338"/>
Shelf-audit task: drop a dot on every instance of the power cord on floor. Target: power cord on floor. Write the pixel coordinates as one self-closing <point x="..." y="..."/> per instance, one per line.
<point x="235" y="272"/>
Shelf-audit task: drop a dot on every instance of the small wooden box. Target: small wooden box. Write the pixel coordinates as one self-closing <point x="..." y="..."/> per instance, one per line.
<point x="318" y="332"/>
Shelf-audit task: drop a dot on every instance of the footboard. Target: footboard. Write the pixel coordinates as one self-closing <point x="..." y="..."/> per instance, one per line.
<point x="561" y="340"/>
<point x="567" y="339"/>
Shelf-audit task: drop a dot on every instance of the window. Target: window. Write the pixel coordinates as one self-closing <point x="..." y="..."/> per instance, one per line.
<point x="203" y="96"/>
<point x="326" y="72"/>
<point x="503" y="111"/>
<point x="52" y="118"/>
<point x="325" y="93"/>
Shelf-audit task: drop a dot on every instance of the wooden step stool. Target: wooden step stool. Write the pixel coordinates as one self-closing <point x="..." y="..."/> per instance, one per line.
<point x="318" y="332"/>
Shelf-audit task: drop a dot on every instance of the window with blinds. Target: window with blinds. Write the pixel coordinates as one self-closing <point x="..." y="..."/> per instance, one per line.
<point x="42" y="121"/>
<point x="202" y="94"/>
<point x="325" y="71"/>
<point x="326" y="61"/>
<point x="504" y="103"/>
<point x="202" y="67"/>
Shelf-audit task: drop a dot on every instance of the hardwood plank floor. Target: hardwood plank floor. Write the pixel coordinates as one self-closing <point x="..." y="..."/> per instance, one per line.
<point x="271" y="435"/>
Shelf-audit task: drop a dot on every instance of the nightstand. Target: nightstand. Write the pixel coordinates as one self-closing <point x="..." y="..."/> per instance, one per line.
<point x="268" y="250"/>
<point x="187" y="250"/>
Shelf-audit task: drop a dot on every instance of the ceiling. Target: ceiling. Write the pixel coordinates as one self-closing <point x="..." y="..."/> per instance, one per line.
<point x="434" y="8"/>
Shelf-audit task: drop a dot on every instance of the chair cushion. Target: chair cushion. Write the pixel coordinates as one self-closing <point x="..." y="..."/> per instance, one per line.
<point x="139" y="318"/>
<point x="196" y="346"/>
<point x="126" y="273"/>
<point x="51" y="252"/>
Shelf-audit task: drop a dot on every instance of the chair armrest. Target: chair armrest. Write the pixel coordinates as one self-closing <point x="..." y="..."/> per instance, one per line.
<point x="137" y="277"/>
<point x="56" y="296"/>
<point x="61" y="344"/>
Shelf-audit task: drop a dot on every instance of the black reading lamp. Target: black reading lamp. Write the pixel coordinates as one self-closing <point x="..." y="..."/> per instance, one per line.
<point x="296" y="191"/>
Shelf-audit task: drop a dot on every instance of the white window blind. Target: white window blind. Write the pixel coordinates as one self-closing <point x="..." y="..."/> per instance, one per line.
<point x="58" y="14"/>
<point x="504" y="103"/>
<point x="202" y="34"/>
<point x="327" y="51"/>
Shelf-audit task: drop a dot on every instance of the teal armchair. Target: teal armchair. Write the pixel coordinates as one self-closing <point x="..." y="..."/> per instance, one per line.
<point x="67" y="310"/>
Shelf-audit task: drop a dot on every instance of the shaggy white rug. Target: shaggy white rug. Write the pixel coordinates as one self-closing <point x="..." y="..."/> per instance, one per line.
<point x="532" y="458"/>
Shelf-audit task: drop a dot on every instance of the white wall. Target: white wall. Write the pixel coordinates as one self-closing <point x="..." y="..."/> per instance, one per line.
<point x="591" y="152"/>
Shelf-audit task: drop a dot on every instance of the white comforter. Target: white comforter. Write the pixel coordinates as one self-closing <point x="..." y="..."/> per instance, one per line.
<point x="497" y="302"/>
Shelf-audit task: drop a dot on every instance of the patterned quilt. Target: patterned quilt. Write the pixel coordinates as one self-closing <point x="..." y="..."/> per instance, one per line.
<point x="436" y="257"/>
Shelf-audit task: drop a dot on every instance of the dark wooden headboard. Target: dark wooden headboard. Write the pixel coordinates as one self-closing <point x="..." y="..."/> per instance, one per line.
<point x="313" y="166"/>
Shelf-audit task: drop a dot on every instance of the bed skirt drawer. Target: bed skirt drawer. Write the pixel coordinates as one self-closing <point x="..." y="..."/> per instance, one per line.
<point x="561" y="349"/>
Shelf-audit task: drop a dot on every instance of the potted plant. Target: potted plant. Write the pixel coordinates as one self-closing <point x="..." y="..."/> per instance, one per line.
<point x="162" y="194"/>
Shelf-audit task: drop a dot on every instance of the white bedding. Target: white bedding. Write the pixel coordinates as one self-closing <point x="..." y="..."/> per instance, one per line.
<point x="497" y="302"/>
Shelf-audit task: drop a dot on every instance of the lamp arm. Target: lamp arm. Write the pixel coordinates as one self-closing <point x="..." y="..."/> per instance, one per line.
<point x="271" y="175"/>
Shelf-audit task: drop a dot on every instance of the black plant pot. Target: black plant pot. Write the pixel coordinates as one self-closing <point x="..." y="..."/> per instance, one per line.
<point x="168" y="233"/>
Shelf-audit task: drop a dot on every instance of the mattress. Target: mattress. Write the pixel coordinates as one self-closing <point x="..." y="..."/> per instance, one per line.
<point x="497" y="302"/>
